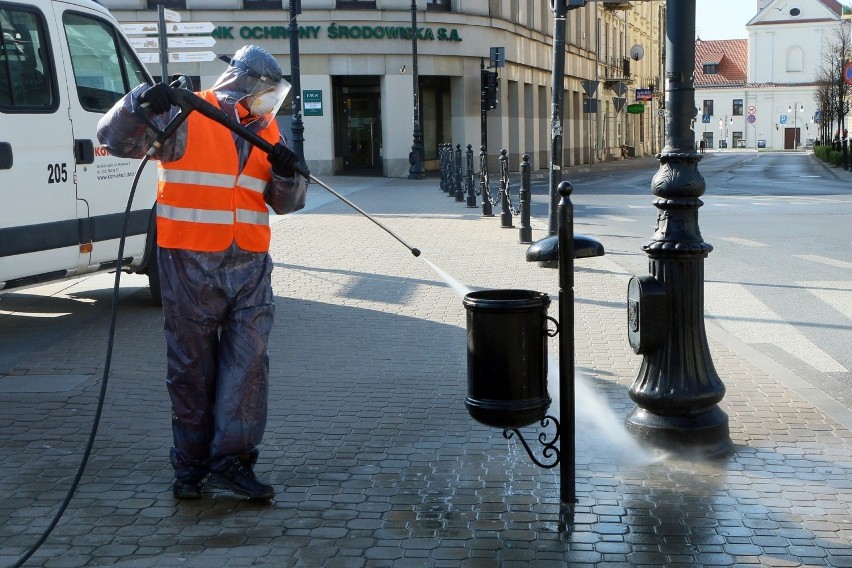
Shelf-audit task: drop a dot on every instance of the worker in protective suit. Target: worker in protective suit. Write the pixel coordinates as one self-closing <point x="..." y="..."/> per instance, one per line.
<point x="213" y="239"/>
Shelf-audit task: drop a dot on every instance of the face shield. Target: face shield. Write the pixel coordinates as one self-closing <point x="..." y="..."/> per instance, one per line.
<point x="253" y="80"/>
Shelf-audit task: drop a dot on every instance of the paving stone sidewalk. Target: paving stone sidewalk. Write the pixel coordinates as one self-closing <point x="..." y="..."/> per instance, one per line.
<point x="369" y="444"/>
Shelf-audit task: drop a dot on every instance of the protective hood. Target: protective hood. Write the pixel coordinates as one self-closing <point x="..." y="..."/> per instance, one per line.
<point x="253" y="79"/>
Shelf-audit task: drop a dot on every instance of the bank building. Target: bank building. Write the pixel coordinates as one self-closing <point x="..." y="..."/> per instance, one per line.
<point x="357" y="63"/>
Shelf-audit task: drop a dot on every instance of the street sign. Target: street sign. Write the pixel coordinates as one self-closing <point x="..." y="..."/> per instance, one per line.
<point x="590" y="106"/>
<point x="782" y="119"/>
<point x="190" y="28"/>
<point x="171" y="28"/>
<point x="644" y="94"/>
<point x="847" y="73"/>
<point x="619" y="88"/>
<point x="139" y="29"/>
<point x="313" y="103"/>
<point x="751" y="119"/>
<point x="589" y="87"/>
<point x="705" y="118"/>
<point x="498" y="57"/>
<point x="661" y="112"/>
<point x="752" y="110"/>
<point x="171" y="15"/>
<point x="619" y="103"/>
<point x="191" y="56"/>
<point x="149" y="57"/>
<point x="636" y="108"/>
<point x="173" y="42"/>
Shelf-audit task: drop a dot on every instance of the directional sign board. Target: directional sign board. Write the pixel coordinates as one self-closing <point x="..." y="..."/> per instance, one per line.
<point x="171" y="28"/>
<point x="191" y="56"/>
<point x="190" y="28"/>
<point x="173" y="42"/>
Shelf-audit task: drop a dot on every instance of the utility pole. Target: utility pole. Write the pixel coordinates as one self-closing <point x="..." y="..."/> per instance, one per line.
<point x="416" y="156"/>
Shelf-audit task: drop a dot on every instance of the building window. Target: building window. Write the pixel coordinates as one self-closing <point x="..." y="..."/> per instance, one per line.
<point x="737" y="109"/>
<point x="267" y="5"/>
<point x="357" y="4"/>
<point x="439" y="5"/>
<point x="171" y="4"/>
<point x="710" y="68"/>
<point x="707" y="108"/>
<point x="795" y="59"/>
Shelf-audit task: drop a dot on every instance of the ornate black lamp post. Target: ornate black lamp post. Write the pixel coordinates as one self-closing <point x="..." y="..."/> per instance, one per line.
<point x="416" y="156"/>
<point x="296" y="82"/>
<point x="677" y="389"/>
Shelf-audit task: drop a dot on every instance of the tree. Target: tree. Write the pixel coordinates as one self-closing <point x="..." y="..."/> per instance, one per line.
<point x="837" y="53"/>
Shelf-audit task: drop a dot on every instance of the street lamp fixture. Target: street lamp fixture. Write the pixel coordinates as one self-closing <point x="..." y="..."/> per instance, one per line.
<point x="298" y="127"/>
<point x="795" y="109"/>
<point x="415" y="159"/>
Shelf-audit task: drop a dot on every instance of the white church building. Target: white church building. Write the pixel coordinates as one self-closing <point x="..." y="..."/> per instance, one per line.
<point x="760" y="92"/>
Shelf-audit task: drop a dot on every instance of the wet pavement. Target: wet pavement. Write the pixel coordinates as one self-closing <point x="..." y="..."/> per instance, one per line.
<point x="369" y="444"/>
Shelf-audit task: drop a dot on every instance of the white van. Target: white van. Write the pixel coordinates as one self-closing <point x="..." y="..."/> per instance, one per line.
<point x="63" y="64"/>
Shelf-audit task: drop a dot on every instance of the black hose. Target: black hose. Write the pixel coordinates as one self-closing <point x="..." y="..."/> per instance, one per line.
<point x="104" y="379"/>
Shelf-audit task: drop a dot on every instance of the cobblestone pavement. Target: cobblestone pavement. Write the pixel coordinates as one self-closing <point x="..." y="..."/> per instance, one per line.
<point x="369" y="444"/>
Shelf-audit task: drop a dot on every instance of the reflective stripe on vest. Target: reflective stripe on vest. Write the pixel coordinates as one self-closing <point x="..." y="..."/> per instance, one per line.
<point x="204" y="203"/>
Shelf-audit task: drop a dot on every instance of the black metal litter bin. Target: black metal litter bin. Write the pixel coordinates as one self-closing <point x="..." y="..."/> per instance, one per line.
<point x="507" y="357"/>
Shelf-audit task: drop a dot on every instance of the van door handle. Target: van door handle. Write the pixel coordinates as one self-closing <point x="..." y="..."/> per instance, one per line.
<point x="5" y="156"/>
<point x="84" y="151"/>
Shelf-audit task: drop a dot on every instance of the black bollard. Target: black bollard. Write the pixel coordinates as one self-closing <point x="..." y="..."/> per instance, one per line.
<point x="505" y="197"/>
<point x="484" y="183"/>
<point x="471" y="190"/>
<point x="525" y="231"/>
<point x="450" y="169"/>
<point x="458" y="191"/>
<point x="567" y="420"/>
<point x="442" y="165"/>
<point x="844" y="144"/>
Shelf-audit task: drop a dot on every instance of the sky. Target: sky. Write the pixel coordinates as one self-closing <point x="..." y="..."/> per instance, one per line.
<point x="723" y="19"/>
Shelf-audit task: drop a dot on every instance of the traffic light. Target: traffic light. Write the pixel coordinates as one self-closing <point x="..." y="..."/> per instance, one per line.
<point x="489" y="87"/>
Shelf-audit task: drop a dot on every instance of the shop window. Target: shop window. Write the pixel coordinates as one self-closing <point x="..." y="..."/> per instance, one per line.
<point x="268" y="5"/>
<point x="356" y="4"/>
<point x="439" y="5"/>
<point x="737" y="109"/>
<point x="171" y="4"/>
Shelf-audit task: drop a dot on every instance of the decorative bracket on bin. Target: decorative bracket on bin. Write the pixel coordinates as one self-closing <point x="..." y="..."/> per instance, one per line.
<point x="550" y="451"/>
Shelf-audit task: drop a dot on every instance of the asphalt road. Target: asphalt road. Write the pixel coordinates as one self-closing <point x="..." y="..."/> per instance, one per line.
<point x="780" y="276"/>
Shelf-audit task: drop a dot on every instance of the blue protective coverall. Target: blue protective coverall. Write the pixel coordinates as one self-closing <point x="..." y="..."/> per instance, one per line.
<point x="218" y="309"/>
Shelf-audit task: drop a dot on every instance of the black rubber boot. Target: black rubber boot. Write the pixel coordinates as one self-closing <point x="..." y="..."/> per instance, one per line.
<point x="240" y="479"/>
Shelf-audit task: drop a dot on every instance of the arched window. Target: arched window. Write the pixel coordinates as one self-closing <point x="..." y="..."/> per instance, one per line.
<point x="795" y="57"/>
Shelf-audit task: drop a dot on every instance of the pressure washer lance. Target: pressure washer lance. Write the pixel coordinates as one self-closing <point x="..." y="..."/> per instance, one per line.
<point x="189" y="101"/>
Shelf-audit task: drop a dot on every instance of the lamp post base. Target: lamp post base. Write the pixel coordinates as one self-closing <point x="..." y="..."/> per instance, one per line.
<point x="704" y="435"/>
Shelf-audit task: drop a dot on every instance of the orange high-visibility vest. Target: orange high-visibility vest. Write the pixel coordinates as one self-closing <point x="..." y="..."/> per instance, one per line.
<point x="204" y="203"/>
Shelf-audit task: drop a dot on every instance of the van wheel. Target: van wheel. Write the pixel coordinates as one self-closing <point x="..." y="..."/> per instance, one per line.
<point x="153" y="272"/>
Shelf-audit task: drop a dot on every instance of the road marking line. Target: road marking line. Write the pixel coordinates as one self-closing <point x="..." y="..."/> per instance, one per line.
<point x="825" y="260"/>
<point x="747" y="318"/>
<point x="837" y="294"/>
<point x="746" y="242"/>
<point x="616" y="218"/>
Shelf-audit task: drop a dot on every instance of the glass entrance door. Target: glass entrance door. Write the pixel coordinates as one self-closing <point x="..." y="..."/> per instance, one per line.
<point x="358" y="124"/>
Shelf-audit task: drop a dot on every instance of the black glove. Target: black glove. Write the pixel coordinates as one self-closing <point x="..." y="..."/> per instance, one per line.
<point x="159" y="98"/>
<point x="283" y="160"/>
